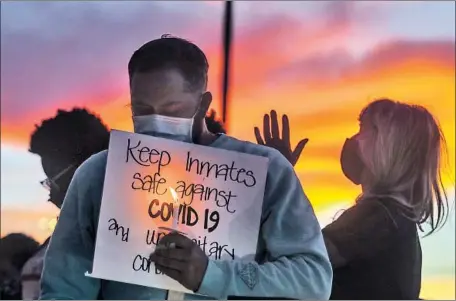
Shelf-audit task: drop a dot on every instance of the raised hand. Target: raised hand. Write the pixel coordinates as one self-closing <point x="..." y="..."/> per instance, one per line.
<point x="272" y="137"/>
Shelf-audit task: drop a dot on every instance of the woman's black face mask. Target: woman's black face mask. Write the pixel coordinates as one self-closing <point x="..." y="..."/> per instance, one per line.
<point x="350" y="160"/>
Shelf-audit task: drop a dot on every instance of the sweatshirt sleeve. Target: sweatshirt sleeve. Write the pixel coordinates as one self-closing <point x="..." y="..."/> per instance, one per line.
<point x="70" y="251"/>
<point x="298" y="266"/>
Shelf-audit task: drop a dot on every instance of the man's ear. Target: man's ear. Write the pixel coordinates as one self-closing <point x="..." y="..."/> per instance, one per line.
<point x="206" y="100"/>
<point x="200" y="116"/>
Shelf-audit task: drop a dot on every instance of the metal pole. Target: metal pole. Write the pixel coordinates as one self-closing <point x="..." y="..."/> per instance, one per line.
<point x="227" y="35"/>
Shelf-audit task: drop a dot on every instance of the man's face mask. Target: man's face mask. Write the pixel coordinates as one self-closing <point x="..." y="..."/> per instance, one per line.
<point x="174" y="128"/>
<point x="350" y="160"/>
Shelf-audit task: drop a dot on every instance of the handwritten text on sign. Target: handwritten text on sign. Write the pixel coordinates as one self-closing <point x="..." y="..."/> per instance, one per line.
<point x="152" y="185"/>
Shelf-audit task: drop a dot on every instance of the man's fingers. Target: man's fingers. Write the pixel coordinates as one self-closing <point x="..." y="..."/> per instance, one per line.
<point x="176" y="275"/>
<point x="286" y="130"/>
<point x="167" y="262"/>
<point x="298" y="150"/>
<point x="258" y="136"/>
<point x="172" y="253"/>
<point x="274" y="125"/>
<point x="266" y="129"/>
<point x="179" y="240"/>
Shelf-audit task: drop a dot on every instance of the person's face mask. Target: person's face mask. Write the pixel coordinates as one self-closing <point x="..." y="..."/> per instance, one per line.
<point x="350" y="160"/>
<point x="175" y="128"/>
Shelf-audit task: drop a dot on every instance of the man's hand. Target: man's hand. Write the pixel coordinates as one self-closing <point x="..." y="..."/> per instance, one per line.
<point x="272" y="138"/>
<point x="181" y="259"/>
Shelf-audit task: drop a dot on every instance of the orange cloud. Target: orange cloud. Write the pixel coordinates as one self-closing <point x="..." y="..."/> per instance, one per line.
<point x="39" y="224"/>
<point x="297" y="68"/>
<point x="325" y="108"/>
<point x="325" y="112"/>
<point x="438" y="288"/>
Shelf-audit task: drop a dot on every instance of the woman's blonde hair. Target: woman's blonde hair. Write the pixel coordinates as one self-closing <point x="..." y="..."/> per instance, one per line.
<point x="402" y="154"/>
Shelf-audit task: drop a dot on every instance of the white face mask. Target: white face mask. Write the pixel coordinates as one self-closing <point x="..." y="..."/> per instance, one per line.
<point x="175" y="128"/>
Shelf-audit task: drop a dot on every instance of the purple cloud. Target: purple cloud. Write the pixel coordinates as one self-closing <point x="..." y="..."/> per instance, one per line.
<point x="58" y="53"/>
<point x="339" y="63"/>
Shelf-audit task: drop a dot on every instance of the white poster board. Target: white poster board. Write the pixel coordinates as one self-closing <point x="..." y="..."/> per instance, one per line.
<point x="223" y="217"/>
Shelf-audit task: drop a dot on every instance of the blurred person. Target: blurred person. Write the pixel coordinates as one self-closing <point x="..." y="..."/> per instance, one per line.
<point x="169" y="98"/>
<point x="31" y="274"/>
<point x="10" y="281"/>
<point x="63" y="142"/>
<point x="374" y="246"/>
<point x="15" y="250"/>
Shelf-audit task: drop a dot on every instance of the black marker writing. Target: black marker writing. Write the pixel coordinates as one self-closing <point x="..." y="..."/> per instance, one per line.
<point x="214" y="217"/>
<point x="142" y="263"/>
<point x="153" y="237"/>
<point x="164" y="211"/>
<point x="207" y="169"/>
<point x="221" y="198"/>
<point x="187" y="215"/>
<point x="114" y="226"/>
<point x="146" y="156"/>
<point x="149" y="183"/>
<point x="214" y="249"/>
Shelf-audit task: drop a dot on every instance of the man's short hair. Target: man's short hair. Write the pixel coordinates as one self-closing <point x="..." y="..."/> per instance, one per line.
<point x="73" y="135"/>
<point x="170" y="52"/>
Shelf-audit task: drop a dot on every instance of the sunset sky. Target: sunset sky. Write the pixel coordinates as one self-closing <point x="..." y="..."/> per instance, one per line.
<point x="319" y="62"/>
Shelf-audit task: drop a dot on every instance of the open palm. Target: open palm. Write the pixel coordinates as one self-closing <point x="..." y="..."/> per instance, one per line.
<point x="272" y="137"/>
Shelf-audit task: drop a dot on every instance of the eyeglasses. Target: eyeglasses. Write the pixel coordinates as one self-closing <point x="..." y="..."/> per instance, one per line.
<point x="48" y="183"/>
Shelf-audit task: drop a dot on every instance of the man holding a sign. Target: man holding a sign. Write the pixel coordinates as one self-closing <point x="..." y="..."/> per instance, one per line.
<point x="242" y="223"/>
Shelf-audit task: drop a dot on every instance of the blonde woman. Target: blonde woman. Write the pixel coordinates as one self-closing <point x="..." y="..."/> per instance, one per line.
<point x="374" y="246"/>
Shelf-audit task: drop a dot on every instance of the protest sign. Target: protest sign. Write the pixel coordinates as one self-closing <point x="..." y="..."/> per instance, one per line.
<point x="152" y="185"/>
